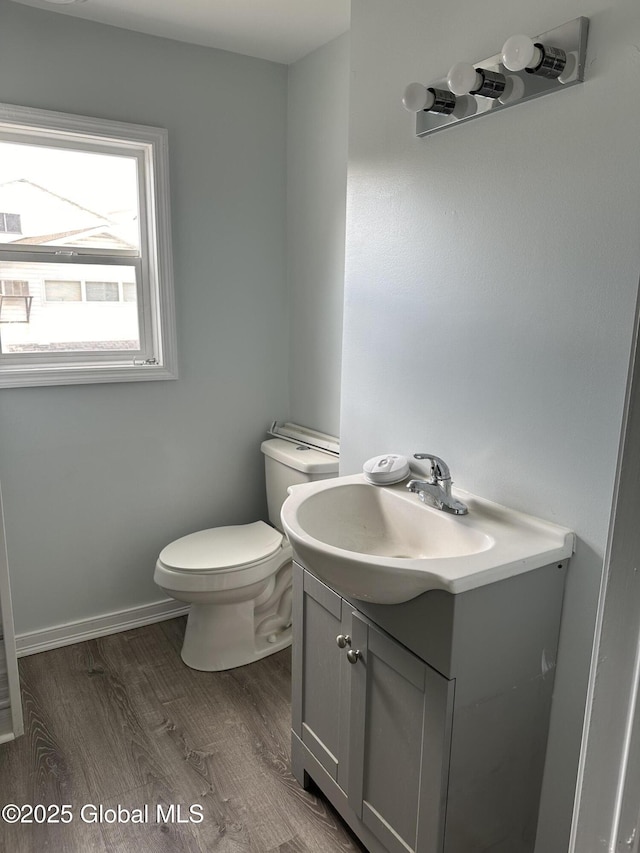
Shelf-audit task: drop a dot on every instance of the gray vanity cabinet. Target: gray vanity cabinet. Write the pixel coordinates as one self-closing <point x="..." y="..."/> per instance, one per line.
<point x="427" y="730"/>
<point x="379" y="725"/>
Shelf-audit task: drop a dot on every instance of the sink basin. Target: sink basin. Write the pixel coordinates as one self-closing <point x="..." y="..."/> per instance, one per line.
<point x="384" y="522"/>
<point x="383" y="544"/>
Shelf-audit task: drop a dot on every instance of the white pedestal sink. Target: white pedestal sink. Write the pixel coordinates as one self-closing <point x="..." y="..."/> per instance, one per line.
<point x="384" y="545"/>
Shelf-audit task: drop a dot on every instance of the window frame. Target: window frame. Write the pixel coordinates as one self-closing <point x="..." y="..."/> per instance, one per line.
<point x="157" y="357"/>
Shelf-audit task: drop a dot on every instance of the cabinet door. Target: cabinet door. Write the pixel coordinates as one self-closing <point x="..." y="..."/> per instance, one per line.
<point x="320" y="701"/>
<point x="400" y="734"/>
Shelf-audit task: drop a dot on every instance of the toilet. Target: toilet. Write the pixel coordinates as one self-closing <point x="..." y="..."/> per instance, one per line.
<point x="238" y="578"/>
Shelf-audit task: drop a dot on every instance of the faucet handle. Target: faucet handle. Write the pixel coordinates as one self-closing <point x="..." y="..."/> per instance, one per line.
<point x="439" y="468"/>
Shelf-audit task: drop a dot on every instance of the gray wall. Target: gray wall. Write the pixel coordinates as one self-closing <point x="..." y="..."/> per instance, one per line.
<point x="491" y="279"/>
<point x="316" y="187"/>
<point x="97" y="479"/>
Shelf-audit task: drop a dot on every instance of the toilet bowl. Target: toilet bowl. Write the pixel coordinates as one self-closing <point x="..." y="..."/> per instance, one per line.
<point x="238" y="578"/>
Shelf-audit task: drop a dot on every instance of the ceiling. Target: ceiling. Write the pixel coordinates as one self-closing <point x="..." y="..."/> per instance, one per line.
<point x="279" y="30"/>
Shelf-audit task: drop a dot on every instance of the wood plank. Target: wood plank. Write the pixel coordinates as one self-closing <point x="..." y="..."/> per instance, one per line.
<point x="226" y="772"/>
<point x="121" y="720"/>
<point x="38" y="768"/>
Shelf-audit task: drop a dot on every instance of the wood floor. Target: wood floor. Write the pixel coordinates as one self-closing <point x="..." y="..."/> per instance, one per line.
<point x="121" y="721"/>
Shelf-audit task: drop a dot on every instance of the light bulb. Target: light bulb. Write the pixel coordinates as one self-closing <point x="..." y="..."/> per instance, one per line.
<point x="417" y="97"/>
<point x="463" y="78"/>
<point x="570" y="70"/>
<point x="519" y="52"/>
<point x="514" y="90"/>
<point x="466" y="105"/>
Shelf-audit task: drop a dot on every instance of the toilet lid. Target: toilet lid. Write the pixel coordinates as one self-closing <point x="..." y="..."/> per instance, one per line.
<point x="219" y="548"/>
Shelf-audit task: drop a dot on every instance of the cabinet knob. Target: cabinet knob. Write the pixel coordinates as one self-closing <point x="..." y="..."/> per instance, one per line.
<point x="343" y="640"/>
<point x="353" y="655"/>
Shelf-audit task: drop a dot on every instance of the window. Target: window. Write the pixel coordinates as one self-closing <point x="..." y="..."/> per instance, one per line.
<point x="102" y="291"/>
<point x="128" y="292"/>
<point x="10" y="223"/>
<point x="15" y="301"/>
<point x="87" y="244"/>
<point x="63" y="291"/>
<point x="14" y="288"/>
<point x="87" y="291"/>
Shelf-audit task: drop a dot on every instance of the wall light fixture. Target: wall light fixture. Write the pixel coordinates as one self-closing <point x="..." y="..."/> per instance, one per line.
<point x="525" y="69"/>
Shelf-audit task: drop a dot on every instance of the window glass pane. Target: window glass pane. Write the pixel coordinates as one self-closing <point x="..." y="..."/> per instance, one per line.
<point x="14" y="288"/>
<point x="129" y="292"/>
<point x="60" y="320"/>
<point x="63" y="291"/>
<point x="10" y="222"/>
<point x="61" y="197"/>
<point x="13" y="222"/>
<point x="102" y="291"/>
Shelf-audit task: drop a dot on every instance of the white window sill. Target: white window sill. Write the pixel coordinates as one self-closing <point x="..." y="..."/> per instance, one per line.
<point x="74" y="375"/>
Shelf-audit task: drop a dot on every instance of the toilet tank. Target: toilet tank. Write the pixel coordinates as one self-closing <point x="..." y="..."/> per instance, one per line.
<point x="289" y="464"/>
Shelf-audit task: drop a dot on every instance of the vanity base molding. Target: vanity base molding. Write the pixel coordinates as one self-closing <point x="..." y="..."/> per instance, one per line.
<point x="308" y="771"/>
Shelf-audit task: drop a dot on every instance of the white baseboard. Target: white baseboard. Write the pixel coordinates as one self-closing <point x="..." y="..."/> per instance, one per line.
<point x="87" y="629"/>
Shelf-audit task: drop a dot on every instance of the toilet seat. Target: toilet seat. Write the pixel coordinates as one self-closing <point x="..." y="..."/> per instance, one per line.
<point x="222" y="559"/>
<point x="222" y="549"/>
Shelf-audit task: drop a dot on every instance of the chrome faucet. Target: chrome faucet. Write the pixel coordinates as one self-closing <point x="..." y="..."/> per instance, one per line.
<point x="437" y="489"/>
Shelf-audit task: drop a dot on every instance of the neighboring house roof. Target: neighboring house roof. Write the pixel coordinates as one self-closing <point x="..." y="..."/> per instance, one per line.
<point x="53" y="194"/>
<point x="101" y="238"/>
<point x="84" y="226"/>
